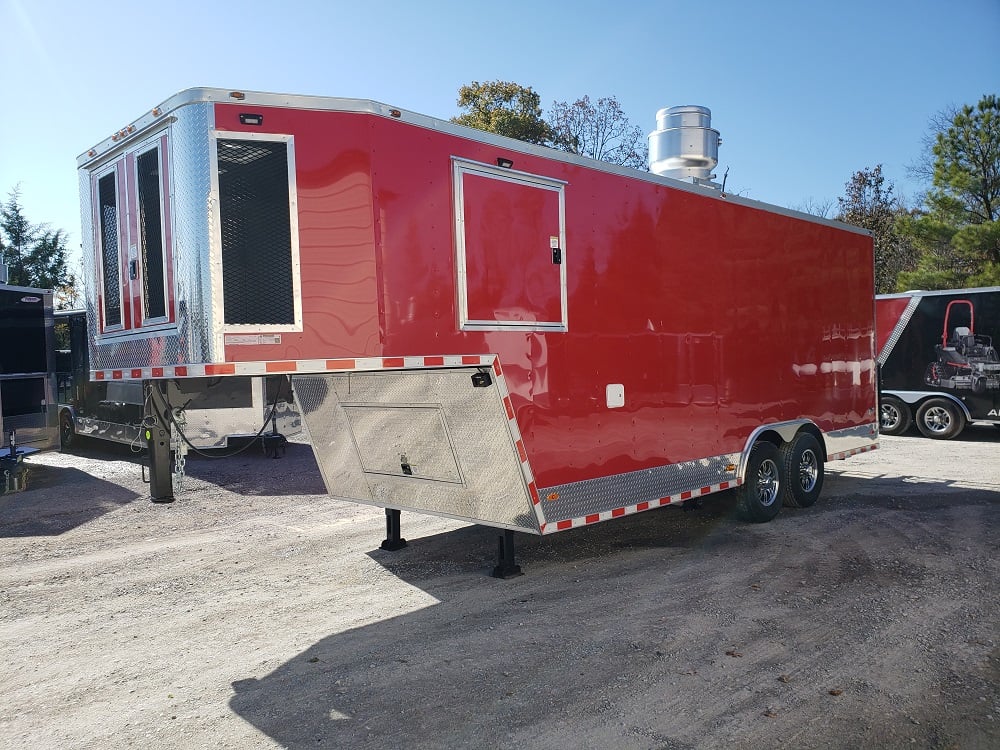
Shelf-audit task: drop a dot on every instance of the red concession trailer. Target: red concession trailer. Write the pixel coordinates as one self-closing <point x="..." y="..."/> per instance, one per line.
<point x="474" y="326"/>
<point x="939" y="367"/>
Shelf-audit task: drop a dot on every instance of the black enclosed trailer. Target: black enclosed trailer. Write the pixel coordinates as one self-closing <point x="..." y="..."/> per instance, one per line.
<point x="27" y="380"/>
<point x="938" y="359"/>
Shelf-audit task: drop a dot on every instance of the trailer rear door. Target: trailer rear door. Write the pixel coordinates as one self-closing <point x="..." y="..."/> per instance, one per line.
<point x="133" y="239"/>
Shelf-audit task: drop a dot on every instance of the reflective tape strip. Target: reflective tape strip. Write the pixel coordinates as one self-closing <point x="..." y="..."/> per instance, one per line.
<point x="845" y="454"/>
<point x="518" y="441"/>
<point x="291" y="367"/>
<point x="680" y="497"/>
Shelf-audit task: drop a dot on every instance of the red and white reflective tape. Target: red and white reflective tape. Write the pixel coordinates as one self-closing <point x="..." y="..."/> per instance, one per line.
<point x="515" y="435"/>
<point x="605" y="515"/>
<point x="292" y="367"/>
<point x="845" y="454"/>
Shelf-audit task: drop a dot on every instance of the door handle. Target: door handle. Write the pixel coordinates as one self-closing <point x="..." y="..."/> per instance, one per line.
<point x="556" y="250"/>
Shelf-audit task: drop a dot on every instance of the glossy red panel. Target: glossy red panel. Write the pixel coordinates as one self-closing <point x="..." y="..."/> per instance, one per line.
<point x="888" y="311"/>
<point x="509" y="228"/>
<point x="131" y="292"/>
<point x="338" y="235"/>
<point x="716" y="317"/>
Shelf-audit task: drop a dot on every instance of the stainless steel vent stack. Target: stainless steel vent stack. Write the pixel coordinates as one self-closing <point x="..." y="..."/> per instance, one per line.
<point x="684" y="145"/>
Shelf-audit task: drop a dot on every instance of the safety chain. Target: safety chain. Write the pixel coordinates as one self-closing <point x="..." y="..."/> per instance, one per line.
<point x="179" y="446"/>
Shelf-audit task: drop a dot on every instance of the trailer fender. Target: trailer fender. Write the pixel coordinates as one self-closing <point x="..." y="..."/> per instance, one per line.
<point x="778" y="434"/>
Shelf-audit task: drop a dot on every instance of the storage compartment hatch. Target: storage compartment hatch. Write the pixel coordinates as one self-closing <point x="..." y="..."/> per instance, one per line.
<point x="424" y="440"/>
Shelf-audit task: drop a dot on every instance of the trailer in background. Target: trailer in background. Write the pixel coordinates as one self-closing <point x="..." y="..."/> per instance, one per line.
<point x="477" y="327"/>
<point x="210" y="412"/>
<point x="27" y="381"/>
<point x="938" y="361"/>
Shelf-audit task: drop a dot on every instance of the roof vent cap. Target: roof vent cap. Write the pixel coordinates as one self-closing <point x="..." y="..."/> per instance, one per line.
<point x="684" y="145"/>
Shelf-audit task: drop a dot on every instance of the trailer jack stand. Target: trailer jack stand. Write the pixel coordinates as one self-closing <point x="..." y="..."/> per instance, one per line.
<point x="393" y="540"/>
<point x="157" y="434"/>
<point x="506" y="566"/>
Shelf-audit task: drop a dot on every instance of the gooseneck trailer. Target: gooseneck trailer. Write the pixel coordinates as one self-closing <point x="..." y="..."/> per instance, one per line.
<point x="474" y="326"/>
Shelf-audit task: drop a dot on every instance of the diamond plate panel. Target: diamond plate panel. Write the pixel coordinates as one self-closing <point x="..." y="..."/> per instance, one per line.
<point x="191" y="341"/>
<point x="472" y="433"/>
<point x="580" y="499"/>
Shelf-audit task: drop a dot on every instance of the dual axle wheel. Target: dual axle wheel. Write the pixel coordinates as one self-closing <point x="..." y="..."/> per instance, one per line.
<point x="791" y="475"/>
<point x="938" y="418"/>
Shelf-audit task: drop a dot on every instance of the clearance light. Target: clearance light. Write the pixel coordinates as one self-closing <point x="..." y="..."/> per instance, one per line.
<point x="395" y="113"/>
<point x="237" y="95"/>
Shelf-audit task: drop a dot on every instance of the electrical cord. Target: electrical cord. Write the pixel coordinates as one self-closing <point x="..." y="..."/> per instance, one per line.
<point x="169" y="418"/>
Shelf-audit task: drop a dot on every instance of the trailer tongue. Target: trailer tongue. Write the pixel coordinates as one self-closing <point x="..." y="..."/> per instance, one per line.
<point x="477" y="327"/>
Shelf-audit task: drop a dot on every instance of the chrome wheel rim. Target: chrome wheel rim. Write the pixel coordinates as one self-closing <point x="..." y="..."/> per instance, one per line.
<point x="808" y="470"/>
<point x="890" y="417"/>
<point x="767" y="482"/>
<point x="937" y="419"/>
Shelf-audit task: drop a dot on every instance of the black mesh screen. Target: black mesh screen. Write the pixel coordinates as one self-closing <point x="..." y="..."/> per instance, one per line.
<point x="256" y="232"/>
<point x="108" y="209"/>
<point x="148" y="183"/>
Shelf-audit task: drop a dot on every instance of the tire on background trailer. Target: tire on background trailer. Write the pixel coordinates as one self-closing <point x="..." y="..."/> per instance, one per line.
<point x="940" y="419"/>
<point x="67" y="431"/>
<point x="759" y="497"/>
<point x="895" y="416"/>
<point x="802" y="461"/>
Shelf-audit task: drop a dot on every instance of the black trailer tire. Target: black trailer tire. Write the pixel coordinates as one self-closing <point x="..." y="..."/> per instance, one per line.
<point x="940" y="419"/>
<point x="67" y="431"/>
<point x="895" y="416"/>
<point x="802" y="460"/>
<point x="759" y="497"/>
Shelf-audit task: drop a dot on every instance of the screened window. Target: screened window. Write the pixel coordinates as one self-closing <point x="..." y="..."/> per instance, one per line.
<point x="107" y="189"/>
<point x="254" y="211"/>
<point x="151" y="234"/>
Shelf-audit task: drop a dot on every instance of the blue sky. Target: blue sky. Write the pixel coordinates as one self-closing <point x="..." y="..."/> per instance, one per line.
<point x="803" y="93"/>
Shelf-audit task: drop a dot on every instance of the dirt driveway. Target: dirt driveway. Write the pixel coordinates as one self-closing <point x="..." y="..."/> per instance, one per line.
<point x="254" y="612"/>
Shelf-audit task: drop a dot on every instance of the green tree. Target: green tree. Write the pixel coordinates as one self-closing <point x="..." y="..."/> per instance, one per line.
<point x="504" y="108"/>
<point x="35" y="255"/>
<point x="599" y="130"/>
<point x="957" y="230"/>
<point x="869" y="203"/>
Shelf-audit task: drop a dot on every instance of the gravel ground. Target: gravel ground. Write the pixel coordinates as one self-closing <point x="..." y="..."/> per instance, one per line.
<point x="255" y="612"/>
